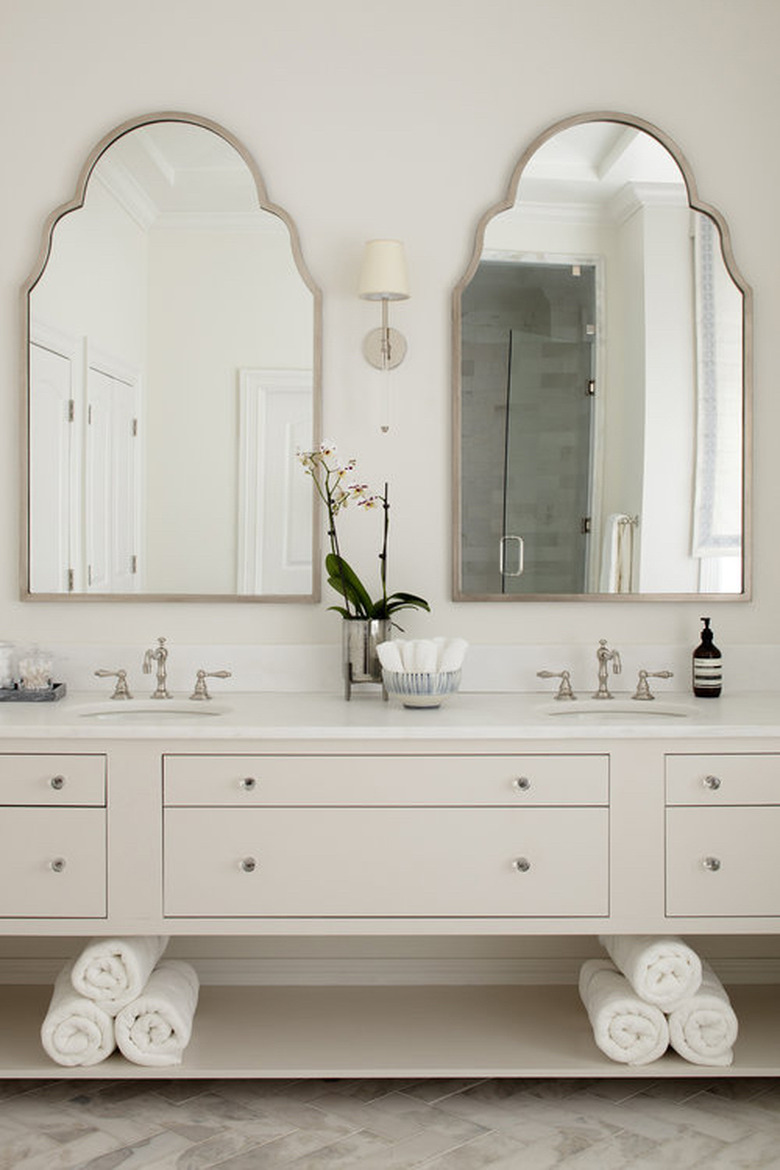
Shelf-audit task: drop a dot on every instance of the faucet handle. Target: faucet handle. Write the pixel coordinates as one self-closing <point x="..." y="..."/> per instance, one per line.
<point x="564" y="690"/>
<point x="643" y="691"/>
<point x="201" y="690"/>
<point x="121" y="690"/>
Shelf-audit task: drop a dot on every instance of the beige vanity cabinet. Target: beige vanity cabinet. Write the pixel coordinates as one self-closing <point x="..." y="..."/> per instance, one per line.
<point x="53" y="832"/>
<point x="723" y="835"/>
<point x="378" y="836"/>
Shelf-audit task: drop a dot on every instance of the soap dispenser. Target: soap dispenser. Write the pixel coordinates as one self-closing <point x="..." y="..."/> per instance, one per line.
<point x="707" y="666"/>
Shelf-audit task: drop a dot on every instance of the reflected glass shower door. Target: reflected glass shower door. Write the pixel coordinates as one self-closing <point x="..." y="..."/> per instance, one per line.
<point x="549" y="440"/>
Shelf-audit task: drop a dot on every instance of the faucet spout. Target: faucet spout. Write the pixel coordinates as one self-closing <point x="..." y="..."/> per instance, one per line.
<point x="606" y="656"/>
<point x="160" y="656"/>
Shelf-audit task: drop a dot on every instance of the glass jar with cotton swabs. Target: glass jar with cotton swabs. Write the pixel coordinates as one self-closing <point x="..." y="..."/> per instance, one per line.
<point x="422" y="672"/>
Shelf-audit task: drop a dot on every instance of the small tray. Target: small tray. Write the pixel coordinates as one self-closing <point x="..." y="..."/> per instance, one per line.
<point x="17" y="695"/>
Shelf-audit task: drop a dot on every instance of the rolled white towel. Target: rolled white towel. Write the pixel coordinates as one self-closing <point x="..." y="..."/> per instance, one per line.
<point x="703" y="1028"/>
<point x="75" y="1030"/>
<point x="664" y="970"/>
<point x="156" y="1027"/>
<point x="452" y="654"/>
<point x="625" y="1028"/>
<point x="390" y="656"/>
<point x="114" y="971"/>
<point x="426" y="656"/>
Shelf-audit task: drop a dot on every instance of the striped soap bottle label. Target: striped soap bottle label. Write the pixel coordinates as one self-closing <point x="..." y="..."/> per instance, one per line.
<point x="708" y="672"/>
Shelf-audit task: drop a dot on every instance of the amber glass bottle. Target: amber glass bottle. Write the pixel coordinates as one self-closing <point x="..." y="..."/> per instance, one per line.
<point x="707" y="666"/>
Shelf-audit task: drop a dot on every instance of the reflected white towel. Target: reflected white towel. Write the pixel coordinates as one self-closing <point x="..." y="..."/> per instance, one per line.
<point x="75" y="1031"/>
<point x="156" y="1027"/>
<point x="617" y="554"/>
<point x="703" y="1028"/>
<point x="113" y="971"/>
<point x="662" y="970"/>
<point x="625" y="1028"/>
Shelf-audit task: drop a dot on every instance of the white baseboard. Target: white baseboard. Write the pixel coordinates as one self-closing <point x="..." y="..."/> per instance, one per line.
<point x="297" y="972"/>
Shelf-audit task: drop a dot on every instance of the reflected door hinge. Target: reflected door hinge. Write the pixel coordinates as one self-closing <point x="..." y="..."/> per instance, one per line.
<point x="585" y="525"/>
<point x="71" y="580"/>
<point x="89" y="415"/>
<point x="89" y="574"/>
<point x="133" y="563"/>
<point x="71" y="409"/>
<point x="134" y="428"/>
<point x="590" y="389"/>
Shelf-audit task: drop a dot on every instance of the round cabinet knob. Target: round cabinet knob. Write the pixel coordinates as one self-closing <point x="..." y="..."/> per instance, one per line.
<point x="57" y="782"/>
<point x="57" y="865"/>
<point x="521" y="864"/>
<point x="712" y="782"/>
<point x="248" y="864"/>
<point x="248" y="783"/>
<point x="712" y="864"/>
<point x="522" y="783"/>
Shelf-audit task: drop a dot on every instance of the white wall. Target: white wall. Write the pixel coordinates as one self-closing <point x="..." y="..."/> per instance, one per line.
<point x="406" y="122"/>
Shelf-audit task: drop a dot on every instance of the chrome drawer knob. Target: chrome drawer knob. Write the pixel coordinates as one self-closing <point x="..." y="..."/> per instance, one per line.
<point x="248" y="783"/>
<point x="248" y="864"/>
<point x="712" y="864"/>
<point x="522" y="783"/>
<point x="57" y="865"/>
<point x="57" y="782"/>
<point x="712" y="782"/>
<point x="521" y="864"/>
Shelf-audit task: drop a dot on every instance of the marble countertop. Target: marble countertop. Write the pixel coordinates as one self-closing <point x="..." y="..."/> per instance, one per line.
<point x="464" y="716"/>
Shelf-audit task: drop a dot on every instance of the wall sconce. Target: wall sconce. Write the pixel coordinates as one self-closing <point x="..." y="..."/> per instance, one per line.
<point x="383" y="277"/>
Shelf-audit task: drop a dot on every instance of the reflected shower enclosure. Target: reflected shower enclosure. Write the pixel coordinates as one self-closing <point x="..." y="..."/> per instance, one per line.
<point x="528" y="382"/>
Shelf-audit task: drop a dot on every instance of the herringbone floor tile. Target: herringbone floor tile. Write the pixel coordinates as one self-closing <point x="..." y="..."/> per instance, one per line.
<point x="504" y="1124"/>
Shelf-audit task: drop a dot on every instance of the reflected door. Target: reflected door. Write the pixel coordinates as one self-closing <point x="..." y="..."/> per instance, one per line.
<point x="547" y="502"/>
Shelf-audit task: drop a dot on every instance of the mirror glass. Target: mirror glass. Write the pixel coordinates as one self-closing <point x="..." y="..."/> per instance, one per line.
<point x="601" y="338"/>
<point x="173" y="369"/>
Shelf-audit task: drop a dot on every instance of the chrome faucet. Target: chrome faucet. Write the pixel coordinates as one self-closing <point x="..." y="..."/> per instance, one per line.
<point x="606" y="656"/>
<point x="160" y="656"/>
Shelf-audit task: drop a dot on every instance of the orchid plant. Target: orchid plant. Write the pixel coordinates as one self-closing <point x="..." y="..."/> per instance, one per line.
<point x="334" y="488"/>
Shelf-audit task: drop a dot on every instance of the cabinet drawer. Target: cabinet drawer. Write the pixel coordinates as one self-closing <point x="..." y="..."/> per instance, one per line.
<point x="386" y="780"/>
<point x="723" y="861"/>
<point x="723" y="779"/>
<point x="386" y="862"/>
<point x="53" y="863"/>
<point x="52" y="779"/>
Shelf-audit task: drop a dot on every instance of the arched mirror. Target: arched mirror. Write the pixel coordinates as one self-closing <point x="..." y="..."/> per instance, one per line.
<point x="172" y="371"/>
<point x="601" y="365"/>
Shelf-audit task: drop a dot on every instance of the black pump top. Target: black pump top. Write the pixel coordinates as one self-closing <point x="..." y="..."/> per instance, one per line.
<point x="706" y="634"/>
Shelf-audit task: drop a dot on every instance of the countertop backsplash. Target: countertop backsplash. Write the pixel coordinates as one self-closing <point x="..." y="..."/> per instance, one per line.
<point x="317" y="668"/>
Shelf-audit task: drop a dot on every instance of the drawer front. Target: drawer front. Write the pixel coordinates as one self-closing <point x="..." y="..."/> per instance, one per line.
<point x="52" y="779"/>
<point x="723" y="861"/>
<point x="386" y="780"/>
<point x="388" y="862"/>
<point x="53" y="863"/>
<point x="723" y="779"/>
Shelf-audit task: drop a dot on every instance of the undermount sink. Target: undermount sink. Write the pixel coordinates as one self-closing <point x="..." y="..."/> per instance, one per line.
<point x="621" y="708"/>
<point x="149" y="709"/>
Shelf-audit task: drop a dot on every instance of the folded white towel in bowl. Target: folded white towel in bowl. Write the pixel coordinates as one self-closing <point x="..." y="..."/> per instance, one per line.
<point x="704" y="1027"/>
<point x="625" y="1028"/>
<point x="663" y="970"/>
<point x="390" y="656"/>
<point x="113" y="971"/>
<point x="75" y="1031"/>
<point x="156" y="1027"/>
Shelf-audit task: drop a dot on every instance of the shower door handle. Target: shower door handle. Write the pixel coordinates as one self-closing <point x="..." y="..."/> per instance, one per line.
<point x="502" y="545"/>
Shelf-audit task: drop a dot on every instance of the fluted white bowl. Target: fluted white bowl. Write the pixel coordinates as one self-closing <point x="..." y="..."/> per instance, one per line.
<point x="421" y="688"/>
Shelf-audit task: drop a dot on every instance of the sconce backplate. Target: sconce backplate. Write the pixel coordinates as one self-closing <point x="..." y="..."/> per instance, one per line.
<point x="372" y="348"/>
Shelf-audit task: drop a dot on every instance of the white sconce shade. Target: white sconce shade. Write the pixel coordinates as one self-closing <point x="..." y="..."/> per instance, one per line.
<point x="383" y="275"/>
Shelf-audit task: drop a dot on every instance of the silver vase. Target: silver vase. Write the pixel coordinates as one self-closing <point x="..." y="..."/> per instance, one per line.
<point x="360" y="638"/>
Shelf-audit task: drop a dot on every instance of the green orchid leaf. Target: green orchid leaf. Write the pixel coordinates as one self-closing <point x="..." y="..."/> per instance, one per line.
<point x="345" y="581"/>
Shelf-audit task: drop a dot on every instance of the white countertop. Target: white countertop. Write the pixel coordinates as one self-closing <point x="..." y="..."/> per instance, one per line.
<point x="464" y="716"/>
